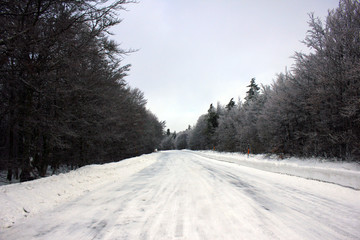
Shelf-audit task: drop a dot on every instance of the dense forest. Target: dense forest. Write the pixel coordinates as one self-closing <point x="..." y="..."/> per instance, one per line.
<point x="312" y="110"/>
<point x="63" y="97"/>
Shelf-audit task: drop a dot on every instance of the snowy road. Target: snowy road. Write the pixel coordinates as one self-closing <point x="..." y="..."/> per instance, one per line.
<point x="186" y="196"/>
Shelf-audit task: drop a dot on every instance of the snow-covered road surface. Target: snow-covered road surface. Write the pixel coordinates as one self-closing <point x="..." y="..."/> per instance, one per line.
<point x="183" y="195"/>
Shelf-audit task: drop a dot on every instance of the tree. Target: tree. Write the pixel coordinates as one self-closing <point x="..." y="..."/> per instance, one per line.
<point x="212" y="124"/>
<point x="230" y="105"/>
<point x="314" y="110"/>
<point x="227" y="136"/>
<point x="167" y="143"/>
<point x="332" y="72"/>
<point x="63" y="96"/>
<point x="197" y="137"/>
<point x="253" y="91"/>
<point x="181" y="141"/>
<point x="275" y="121"/>
<point x="212" y="119"/>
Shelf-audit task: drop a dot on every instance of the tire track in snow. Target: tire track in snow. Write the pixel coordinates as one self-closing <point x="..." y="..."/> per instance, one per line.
<point x="294" y="207"/>
<point x="185" y="196"/>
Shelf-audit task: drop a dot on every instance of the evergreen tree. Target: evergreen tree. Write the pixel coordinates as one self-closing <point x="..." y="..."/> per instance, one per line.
<point x="314" y="110"/>
<point x="226" y="133"/>
<point x="230" y="105"/>
<point x="212" y="119"/>
<point x="212" y="124"/>
<point x="198" y="135"/>
<point x="253" y="91"/>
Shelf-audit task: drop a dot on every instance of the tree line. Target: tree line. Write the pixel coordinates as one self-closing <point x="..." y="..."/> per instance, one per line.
<point x="312" y="110"/>
<point x="63" y="97"/>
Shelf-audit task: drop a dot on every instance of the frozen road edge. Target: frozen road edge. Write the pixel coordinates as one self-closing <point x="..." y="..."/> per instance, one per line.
<point x="331" y="174"/>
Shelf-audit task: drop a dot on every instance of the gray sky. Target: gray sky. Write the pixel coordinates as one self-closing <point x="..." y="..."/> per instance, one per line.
<point x="194" y="53"/>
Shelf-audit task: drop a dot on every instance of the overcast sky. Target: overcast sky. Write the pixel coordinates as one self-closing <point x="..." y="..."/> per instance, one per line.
<point x="196" y="52"/>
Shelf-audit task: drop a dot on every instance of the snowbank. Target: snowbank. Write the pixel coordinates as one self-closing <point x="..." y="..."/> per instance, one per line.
<point x="341" y="173"/>
<point x="21" y="200"/>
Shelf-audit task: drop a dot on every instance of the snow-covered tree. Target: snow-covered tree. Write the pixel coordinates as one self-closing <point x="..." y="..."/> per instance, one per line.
<point x="227" y="136"/>
<point x="63" y="97"/>
<point x="181" y="140"/>
<point x="312" y="110"/>
<point x="315" y="109"/>
<point x="230" y="105"/>
<point x="197" y="136"/>
<point x="253" y="91"/>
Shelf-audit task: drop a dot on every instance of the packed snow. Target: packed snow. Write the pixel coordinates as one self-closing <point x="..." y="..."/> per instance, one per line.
<point x="342" y="173"/>
<point x="183" y="195"/>
<point x="23" y="200"/>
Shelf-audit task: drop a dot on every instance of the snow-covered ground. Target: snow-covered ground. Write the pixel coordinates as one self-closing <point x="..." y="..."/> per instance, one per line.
<point x="342" y="173"/>
<point x="23" y="200"/>
<point x="181" y="195"/>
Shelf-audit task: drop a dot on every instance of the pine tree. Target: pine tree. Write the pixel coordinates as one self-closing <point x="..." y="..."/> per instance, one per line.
<point x="253" y="91"/>
<point x="212" y="124"/>
<point x="230" y="105"/>
<point x="212" y="119"/>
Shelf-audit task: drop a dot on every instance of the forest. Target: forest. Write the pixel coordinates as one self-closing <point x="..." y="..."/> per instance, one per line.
<point x="311" y="110"/>
<point x="63" y="97"/>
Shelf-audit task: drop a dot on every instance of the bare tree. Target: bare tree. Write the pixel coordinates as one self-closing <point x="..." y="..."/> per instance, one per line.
<point x="62" y="89"/>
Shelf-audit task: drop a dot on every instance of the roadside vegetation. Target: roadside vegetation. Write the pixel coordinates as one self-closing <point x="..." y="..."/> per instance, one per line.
<point x="311" y="110"/>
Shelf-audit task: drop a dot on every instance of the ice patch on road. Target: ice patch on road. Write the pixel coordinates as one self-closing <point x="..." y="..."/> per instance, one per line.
<point x="22" y="200"/>
<point x="342" y="173"/>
